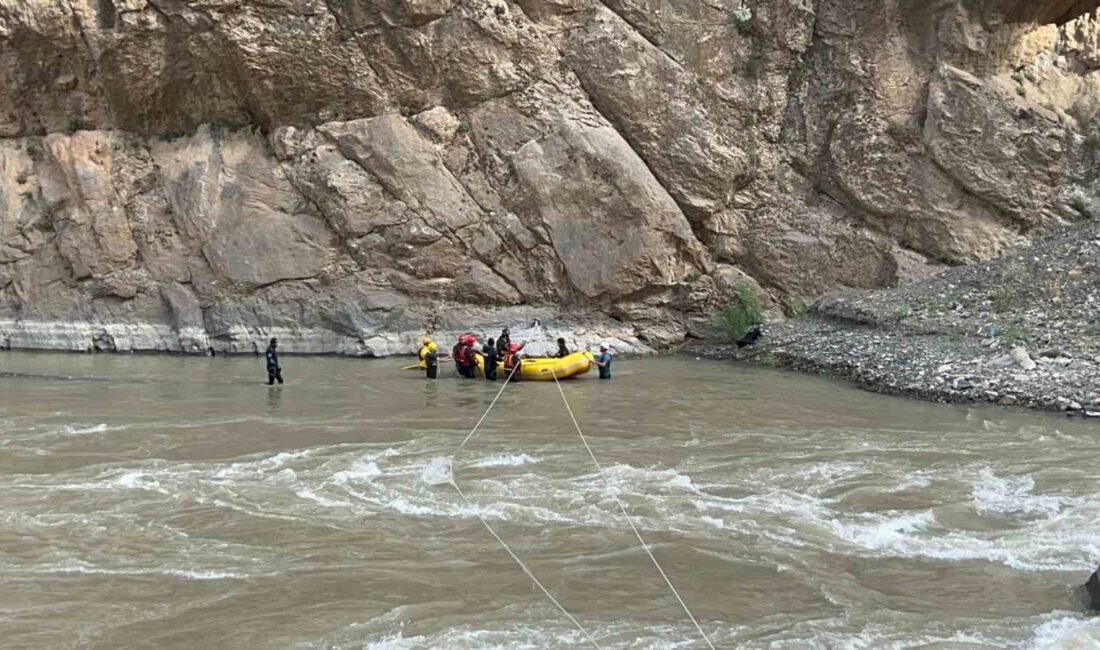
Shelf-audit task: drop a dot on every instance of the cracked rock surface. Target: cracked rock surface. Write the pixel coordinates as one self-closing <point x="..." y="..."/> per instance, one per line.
<point x="348" y="174"/>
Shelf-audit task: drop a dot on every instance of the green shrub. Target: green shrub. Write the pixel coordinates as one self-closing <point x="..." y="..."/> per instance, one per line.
<point x="1003" y="300"/>
<point x="1083" y="204"/>
<point x="741" y="18"/>
<point x="735" y="319"/>
<point x="1014" y="336"/>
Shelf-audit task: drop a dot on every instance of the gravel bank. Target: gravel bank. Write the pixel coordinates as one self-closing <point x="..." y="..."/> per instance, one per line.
<point x="1023" y="330"/>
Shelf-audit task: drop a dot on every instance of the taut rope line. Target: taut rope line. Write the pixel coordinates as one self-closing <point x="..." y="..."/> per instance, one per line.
<point x="492" y="532"/>
<point x="629" y="519"/>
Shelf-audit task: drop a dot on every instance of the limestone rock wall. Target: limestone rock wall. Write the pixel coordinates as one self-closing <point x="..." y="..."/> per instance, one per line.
<point x="347" y="174"/>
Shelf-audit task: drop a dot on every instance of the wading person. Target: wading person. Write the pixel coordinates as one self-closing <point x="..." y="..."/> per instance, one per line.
<point x="490" y="356"/>
<point x="274" y="370"/>
<point x="603" y="362"/>
<point x="513" y="361"/>
<point x="458" y="353"/>
<point x="471" y="357"/>
<point x="429" y="357"/>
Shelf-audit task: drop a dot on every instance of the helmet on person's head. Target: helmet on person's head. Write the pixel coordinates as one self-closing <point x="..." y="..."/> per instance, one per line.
<point x="272" y="343"/>
<point x="425" y="340"/>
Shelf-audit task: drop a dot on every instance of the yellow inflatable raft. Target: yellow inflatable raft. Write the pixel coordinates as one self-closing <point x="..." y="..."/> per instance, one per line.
<point x="544" y="369"/>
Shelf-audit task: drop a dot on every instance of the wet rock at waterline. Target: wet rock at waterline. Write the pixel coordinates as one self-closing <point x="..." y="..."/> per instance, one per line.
<point x="1091" y="590"/>
<point x="347" y="175"/>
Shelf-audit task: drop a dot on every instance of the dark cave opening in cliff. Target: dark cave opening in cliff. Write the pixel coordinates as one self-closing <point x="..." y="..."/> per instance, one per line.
<point x="1051" y="12"/>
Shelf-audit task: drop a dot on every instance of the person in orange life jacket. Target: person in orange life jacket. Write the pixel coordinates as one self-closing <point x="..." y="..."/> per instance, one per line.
<point x="472" y="350"/>
<point x="513" y="359"/>
<point x="465" y="361"/>
<point x="603" y="362"/>
<point x="458" y="354"/>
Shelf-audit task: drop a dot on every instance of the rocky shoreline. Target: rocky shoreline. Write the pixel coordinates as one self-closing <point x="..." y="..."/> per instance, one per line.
<point x="1023" y="330"/>
<point x="539" y="329"/>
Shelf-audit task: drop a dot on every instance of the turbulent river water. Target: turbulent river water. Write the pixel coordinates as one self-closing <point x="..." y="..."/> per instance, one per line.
<point x="179" y="502"/>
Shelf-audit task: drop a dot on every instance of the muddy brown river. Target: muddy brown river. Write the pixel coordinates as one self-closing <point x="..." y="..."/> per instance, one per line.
<point x="161" y="501"/>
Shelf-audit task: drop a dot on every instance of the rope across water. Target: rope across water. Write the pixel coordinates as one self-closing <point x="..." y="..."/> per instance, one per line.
<point x="492" y="532"/>
<point x="629" y="519"/>
<point x="607" y="483"/>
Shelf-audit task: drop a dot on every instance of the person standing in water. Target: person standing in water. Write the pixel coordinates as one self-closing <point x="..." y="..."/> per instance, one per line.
<point x="274" y="370"/>
<point x="603" y="362"/>
<point x="490" y="356"/>
<point x="513" y="361"/>
<point x="429" y="357"/>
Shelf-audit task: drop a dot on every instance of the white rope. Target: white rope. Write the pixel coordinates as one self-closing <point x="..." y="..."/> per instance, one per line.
<point x="454" y="458"/>
<point x="629" y="519"/>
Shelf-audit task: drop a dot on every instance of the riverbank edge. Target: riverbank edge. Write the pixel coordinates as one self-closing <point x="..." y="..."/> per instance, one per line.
<point x="781" y="348"/>
<point x="156" y="338"/>
<point x="1019" y="330"/>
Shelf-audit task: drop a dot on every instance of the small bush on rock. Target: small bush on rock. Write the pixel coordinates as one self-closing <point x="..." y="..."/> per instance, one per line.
<point x="1083" y="204"/>
<point x="1015" y="336"/>
<point x="1003" y="300"/>
<point x="731" y="322"/>
<point x="741" y="18"/>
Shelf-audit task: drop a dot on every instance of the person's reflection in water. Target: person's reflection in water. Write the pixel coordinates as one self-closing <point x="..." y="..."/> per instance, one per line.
<point x="274" y="399"/>
<point x="431" y="394"/>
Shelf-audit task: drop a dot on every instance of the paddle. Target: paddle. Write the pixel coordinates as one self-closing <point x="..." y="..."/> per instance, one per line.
<point x="416" y="366"/>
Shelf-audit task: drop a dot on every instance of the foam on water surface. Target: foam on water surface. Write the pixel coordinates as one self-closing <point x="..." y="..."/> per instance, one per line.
<point x="857" y="527"/>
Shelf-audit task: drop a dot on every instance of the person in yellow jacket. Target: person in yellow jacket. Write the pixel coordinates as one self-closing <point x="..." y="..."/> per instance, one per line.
<point x="429" y="357"/>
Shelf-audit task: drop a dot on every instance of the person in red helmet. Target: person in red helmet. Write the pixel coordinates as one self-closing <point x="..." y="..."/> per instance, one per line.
<point x="458" y="353"/>
<point x="465" y="357"/>
<point x="513" y="361"/>
<point x="470" y="341"/>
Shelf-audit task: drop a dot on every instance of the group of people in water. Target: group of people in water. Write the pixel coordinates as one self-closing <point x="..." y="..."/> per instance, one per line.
<point x="469" y="356"/>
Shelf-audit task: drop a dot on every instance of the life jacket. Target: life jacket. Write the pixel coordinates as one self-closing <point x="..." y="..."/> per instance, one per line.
<point x="511" y="356"/>
<point x="428" y="355"/>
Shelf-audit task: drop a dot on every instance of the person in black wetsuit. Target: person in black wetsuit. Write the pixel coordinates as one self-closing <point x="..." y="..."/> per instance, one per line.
<point x="503" y="342"/>
<point x="274" y="370"/>
<point x="491" y="359"/>
<point x="563" y="351"/>
<point x="603" y="362"/>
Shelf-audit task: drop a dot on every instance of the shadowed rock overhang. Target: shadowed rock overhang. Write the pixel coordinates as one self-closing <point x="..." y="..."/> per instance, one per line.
<point x="1047" y="12"/>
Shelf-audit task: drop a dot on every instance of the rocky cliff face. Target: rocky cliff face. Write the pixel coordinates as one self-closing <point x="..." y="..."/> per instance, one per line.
<point x="347" y="174"/>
